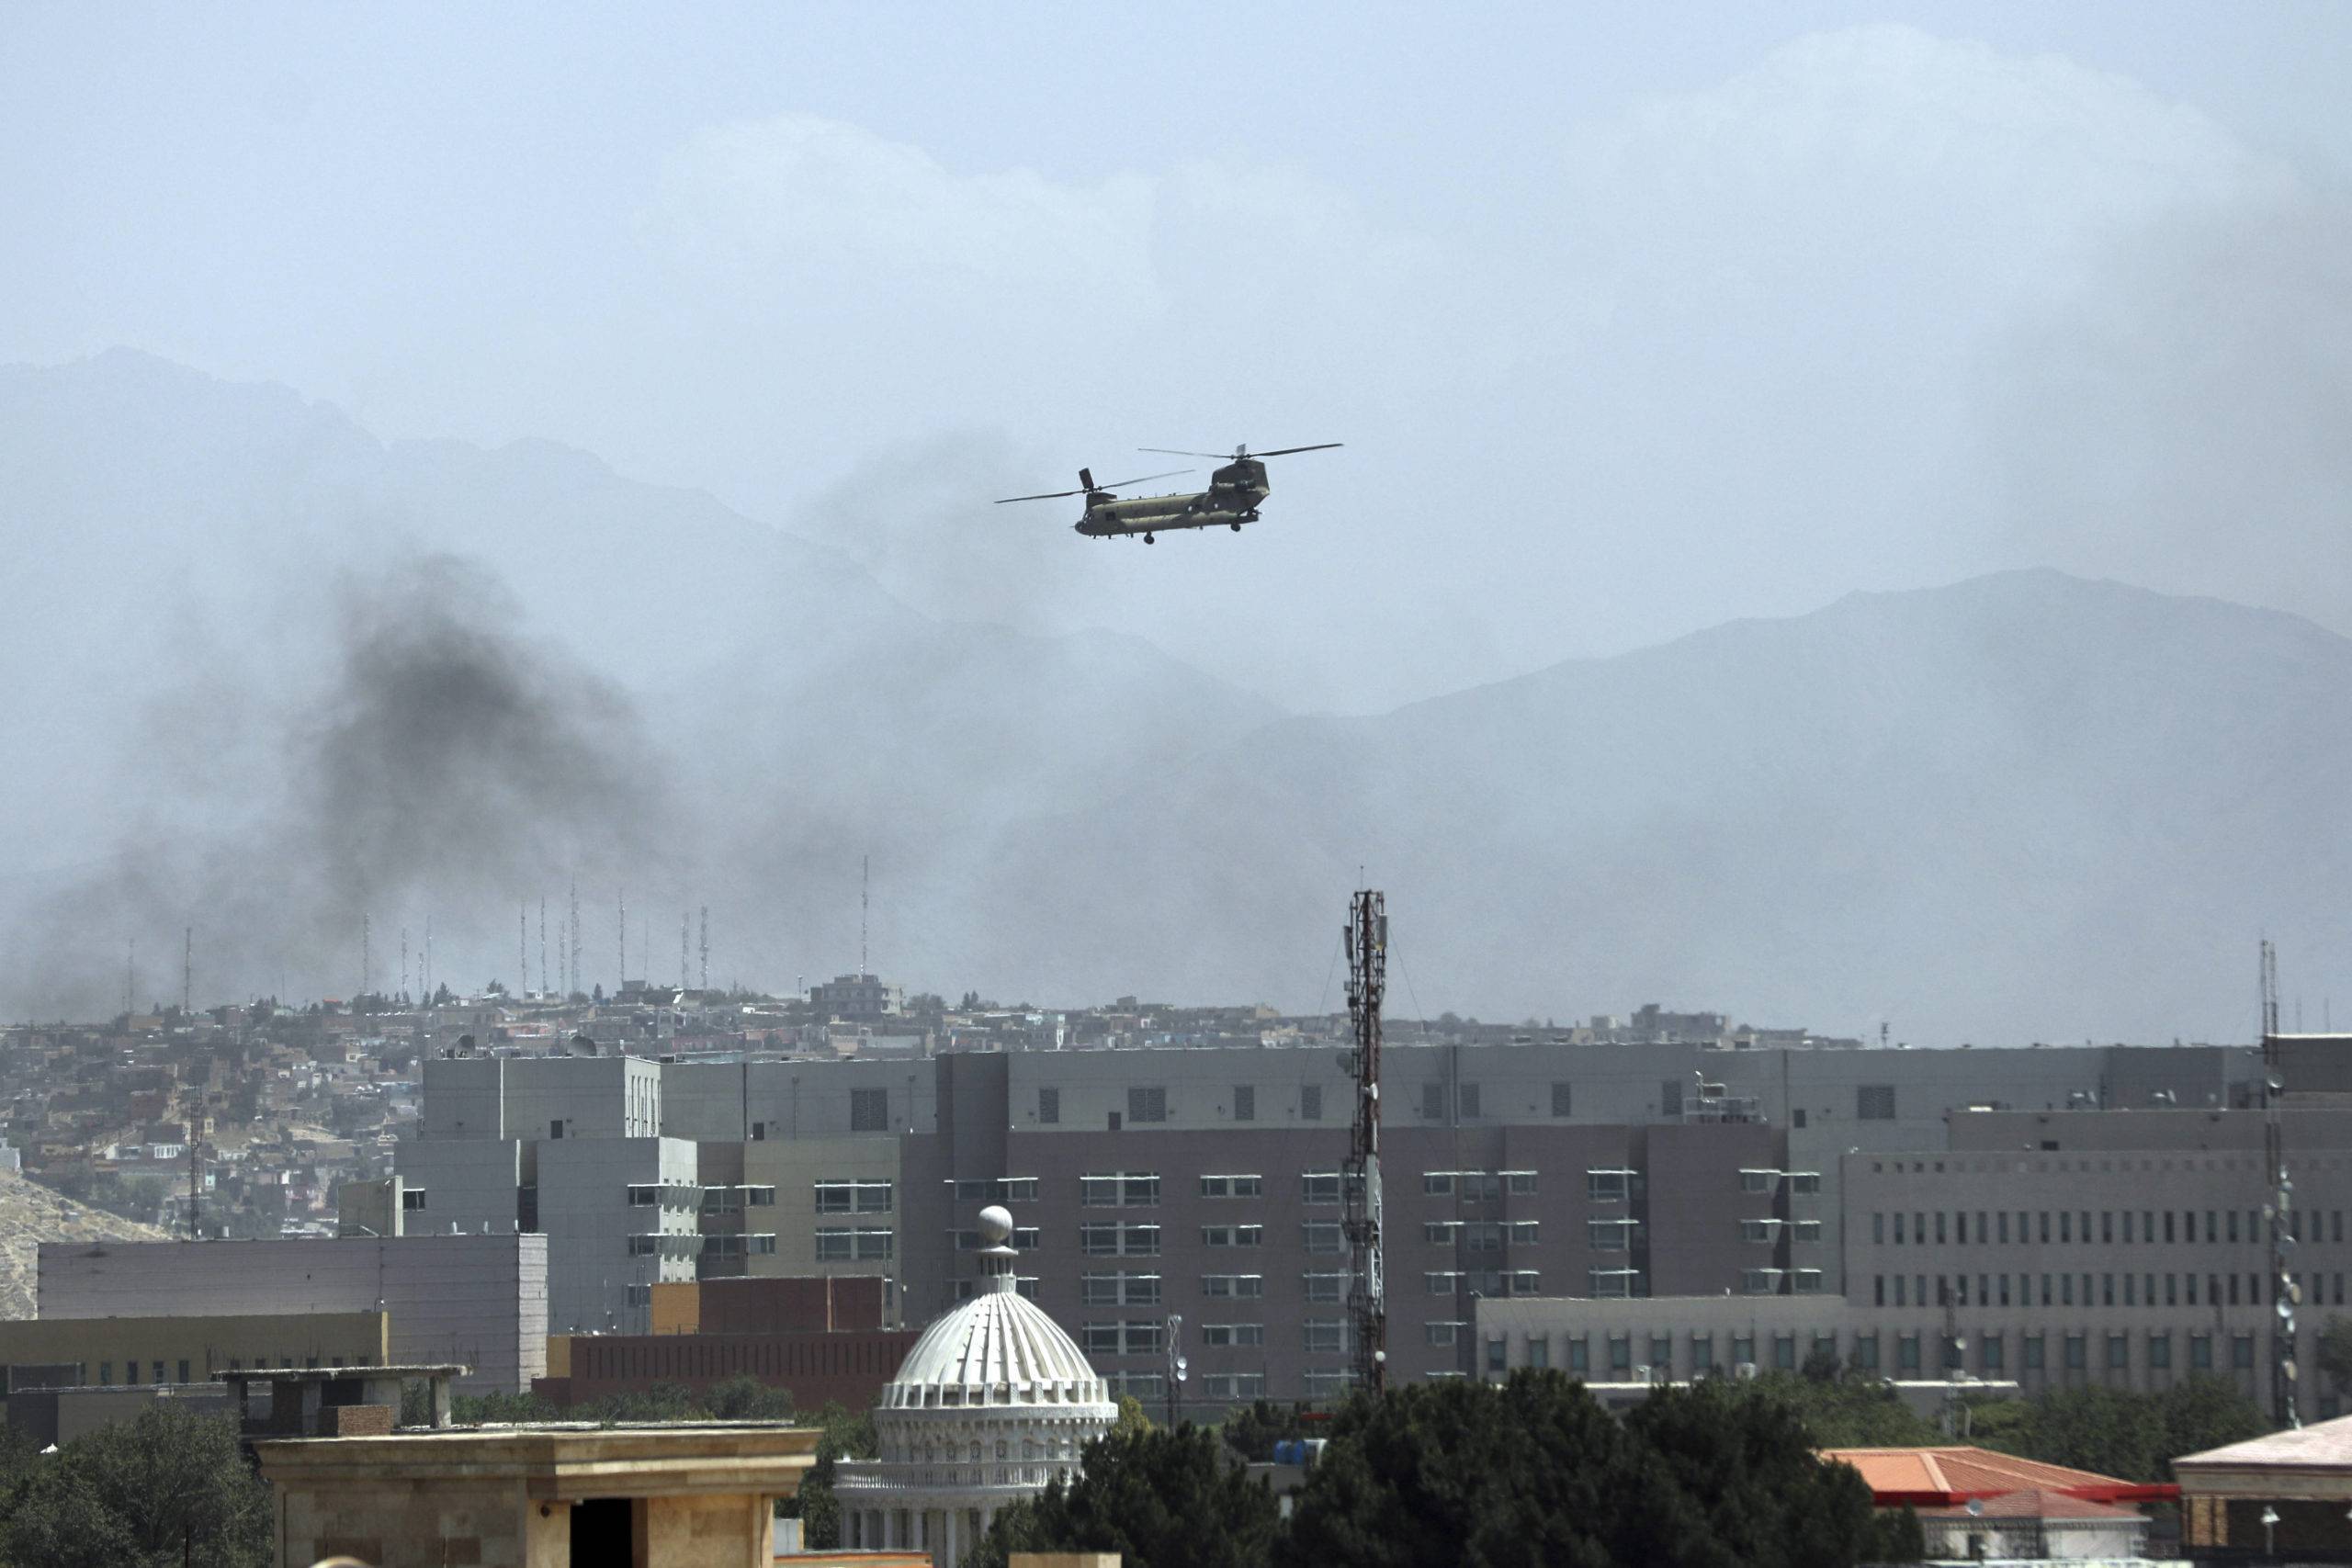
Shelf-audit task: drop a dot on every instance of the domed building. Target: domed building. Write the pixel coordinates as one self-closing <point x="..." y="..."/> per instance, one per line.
<point x="993" y="1402"/>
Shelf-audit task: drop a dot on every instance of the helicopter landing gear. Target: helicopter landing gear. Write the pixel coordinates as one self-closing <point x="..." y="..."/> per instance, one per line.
<point x="1236" y="527"/>
<point x="1147" y="540"/>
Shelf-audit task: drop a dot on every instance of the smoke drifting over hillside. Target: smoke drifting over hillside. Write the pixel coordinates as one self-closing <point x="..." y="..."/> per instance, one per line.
<point x="445" y="760"/>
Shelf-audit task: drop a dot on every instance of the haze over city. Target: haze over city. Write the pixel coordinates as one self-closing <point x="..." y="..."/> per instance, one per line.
<point x="447" y="457"/>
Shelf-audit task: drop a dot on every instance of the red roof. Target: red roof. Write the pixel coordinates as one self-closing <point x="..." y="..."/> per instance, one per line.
<point x="1937" y="1478"/>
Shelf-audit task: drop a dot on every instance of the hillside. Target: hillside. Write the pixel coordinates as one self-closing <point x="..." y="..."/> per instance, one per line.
<point x="2026" y="806"/>
<point x="30" y="1214"/>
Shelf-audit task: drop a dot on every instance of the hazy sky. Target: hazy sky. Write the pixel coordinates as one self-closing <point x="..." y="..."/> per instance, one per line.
<point x="1634" y="318"/>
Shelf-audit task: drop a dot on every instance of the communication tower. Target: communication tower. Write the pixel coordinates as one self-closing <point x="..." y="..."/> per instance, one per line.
<point x="1367" y="946"/>
<point x="706" y="947"/>
<point x="2285" y="1294"/>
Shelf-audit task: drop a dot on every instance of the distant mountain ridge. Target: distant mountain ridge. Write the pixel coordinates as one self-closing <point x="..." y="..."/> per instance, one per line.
<point x="2024" y="807"/>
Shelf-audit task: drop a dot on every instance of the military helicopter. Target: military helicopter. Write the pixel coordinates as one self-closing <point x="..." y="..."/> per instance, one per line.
<point x="1232" y="498"/>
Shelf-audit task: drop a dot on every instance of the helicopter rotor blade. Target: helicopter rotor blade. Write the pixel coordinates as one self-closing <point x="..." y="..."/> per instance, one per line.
<point x="1172" y="452"/>
<point x="1287" y="451"/>
<point x="1048" y="495"/>
<point x="1143" y="479"/>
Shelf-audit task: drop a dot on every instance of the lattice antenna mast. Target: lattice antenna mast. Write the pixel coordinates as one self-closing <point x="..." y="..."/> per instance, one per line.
<point x="624" y="980"/>
<point x="706" y="947"/>
<point x="864" y="907"/>
<point x="543" y="945"/>
<point x="681" y="949"/>
<point x="2285" y="1294"/>
<point x="188" y="973"/>
<point x="1367" y="947"/>
<point x="367" y="954"/>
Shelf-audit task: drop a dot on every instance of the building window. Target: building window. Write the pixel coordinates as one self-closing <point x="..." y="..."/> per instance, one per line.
<point x="1442" y="1333"/>
<point x="1442" y="1281"/>
<point x="413" y="1199"/>
<point x="1325" y="1287"/>
<point x="1147" y="1104"/>
<point x="1437" y="1184"/>
<point x="1326" y="1335"/>
<point x="1440" y="1233"/>
<point x="2200" y="1353"/>
<point x="1906" y="1353"/>
<point x="1319" y="1187"/>
<point x="1232" y="1187"/>
<point x="644" y="1196"/>
<point x="1520" y="1183"/>
<point x="1874" y="1102"/>
<point x="1119" y="1241"/>
<point x="1608" y="1186"/>
<point x="1120" y="1189"/>
<point x="1620" y="1353"/>
<point x="869" y="1110"/>
<point x="1143" y="1336"/>
<point x="843" y="1244"/>
<point x="1245" y="1102"/>
<point x="1322" y="1237"/>
<point x="1433" y="1102"/>
<point x="1233" y="1334"/>
<point x="1227" y="1386"/>
<point x="1310" y="1102"/>
<point x="1612" y="1284"/>
<point x="2242" y="1351"/>
<point x="2077" y="1353"/>
<point x="837" y="1197"/>
<point x="1579" y="1356"/>
<point x="1232" y="1235"/>
<point x="1233" y="1286"/>
<point x="1613" y="1235"/>
<point x="1466" y="1098"/>
<point x="1050" y="1106"/>
<point x="2160" y="1352"/>
<point x="1120" y="1289"/>
<point x="1866" y="1352"/>
<point x="1563" y="1099"/>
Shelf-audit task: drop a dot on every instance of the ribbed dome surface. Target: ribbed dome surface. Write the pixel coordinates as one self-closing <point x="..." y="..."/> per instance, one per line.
<point x="997" y="1348"/>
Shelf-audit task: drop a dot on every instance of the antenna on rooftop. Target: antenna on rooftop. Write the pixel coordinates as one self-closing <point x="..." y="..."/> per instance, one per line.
<point x="623" y="979"/>
<point x="367" y="958"/>
<point x="187" y="972"/>
<point x="864" y="905"/>
<point x="403" y="963"/>
<point x="2279" y="1211"/>
<point x="521" y="948"/>
<point x="706" y="947"/>
<point x="685" y="923"/>
<point x="131" y="979"/>
<point x="543" y="945"/>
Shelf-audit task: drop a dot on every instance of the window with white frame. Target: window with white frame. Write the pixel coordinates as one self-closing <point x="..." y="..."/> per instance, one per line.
<point x="847" y="1244"/>
<point x="1759" y="1180"/>
<point x="1326" y="1287"/>
<point x="1520" y="1183"/>
<point x="1319" y="1187"/>
<point x="1119" y="1241"/>
<point x="1233" y="1187"/>
<point x="1612" y="1284"/>
<point x="1526" y="1233"/>
<point x="1805" y="1183"/>
<point x="1437" y="1184"/>
<point x="844" y="1196"/>
<point x="1325" y="1383"/>
<point x="1608" y="1186"/>
<point x="1234" y="1385"/>
<point x="1760" y="1281"/>
<point x="1440" y="1233"/>
<point x="1131" y="1337"/>
<point x="1438" y="1333"/>
<point x="1233" y="1335"/>
<point x="1326" y="1335"/>
<point x="1016" y="1189"/>
<point x="1120" y="1189"/>
<point x="1760" y="1231"/>
<point x="1319" y="1237"/>
<point x="1233" y="1235"/>
<point x="1612" y="1235"/>
<point x="1442" y="1281"/>
<point x="1120" y="1289"/>
<point x="1233" y="1286"/>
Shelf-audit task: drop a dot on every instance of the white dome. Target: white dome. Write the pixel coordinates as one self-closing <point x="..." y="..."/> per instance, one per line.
<point x="997" y="1348"/>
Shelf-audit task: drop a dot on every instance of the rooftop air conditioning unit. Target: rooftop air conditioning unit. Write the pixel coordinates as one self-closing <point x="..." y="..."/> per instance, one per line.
<point x="1745" y="1371"/>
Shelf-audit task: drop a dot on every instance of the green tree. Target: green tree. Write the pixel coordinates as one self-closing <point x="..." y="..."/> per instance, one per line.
<point x="1534" y="1471"/>
<point x="1252" y="1430"/>
<point x="845" y="1434"/>
<point x="1160" y="1498"/>
<point x="745" y="1398"/>
<point x="1132" y="1417"/>
<point x="1847" y="1409"/>
<point x="167" y="1487"/>
<point x="2135" y="1437"/>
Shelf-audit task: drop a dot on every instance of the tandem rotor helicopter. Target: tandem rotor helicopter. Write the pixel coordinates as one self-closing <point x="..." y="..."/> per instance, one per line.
<point x="1231" y="500"/>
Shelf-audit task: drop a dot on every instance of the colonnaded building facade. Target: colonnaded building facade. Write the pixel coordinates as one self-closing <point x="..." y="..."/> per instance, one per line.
<point x="2060" y="1200"/>
<point x="993" y="1403"/>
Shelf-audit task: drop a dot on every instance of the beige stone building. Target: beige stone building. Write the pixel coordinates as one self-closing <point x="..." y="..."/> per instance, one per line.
<point x="669" y="1496"/>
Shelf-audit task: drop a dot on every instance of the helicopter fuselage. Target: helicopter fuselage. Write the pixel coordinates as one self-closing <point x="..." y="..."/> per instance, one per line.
<point x="1231" y="500"/>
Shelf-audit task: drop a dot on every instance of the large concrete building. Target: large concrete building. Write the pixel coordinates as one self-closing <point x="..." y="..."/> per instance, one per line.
<point x="477" y="1300"/>
<point x="1205" y="1181"/>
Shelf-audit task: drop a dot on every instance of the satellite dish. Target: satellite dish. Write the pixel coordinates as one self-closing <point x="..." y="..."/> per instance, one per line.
<point x="1976" y="1508"/>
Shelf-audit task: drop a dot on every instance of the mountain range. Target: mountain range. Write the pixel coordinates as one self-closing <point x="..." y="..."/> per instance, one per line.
<point x="271" y="675"/>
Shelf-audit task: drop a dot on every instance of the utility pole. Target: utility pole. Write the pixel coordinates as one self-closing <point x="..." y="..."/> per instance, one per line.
<point x="2279" y="1211"/>
<point x="1367" y="940"/>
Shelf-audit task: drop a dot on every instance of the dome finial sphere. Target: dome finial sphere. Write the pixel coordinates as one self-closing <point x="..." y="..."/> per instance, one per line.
<point x="996" y="1225"/>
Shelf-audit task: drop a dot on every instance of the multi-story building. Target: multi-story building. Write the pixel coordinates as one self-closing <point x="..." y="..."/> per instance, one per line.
<point x="1205" y="1183"/>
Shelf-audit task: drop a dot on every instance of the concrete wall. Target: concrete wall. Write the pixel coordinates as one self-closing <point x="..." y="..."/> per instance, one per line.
<point x="118" y="1351"/>
<point x="594" y="1283"/>
<point x="479" y="1300"/>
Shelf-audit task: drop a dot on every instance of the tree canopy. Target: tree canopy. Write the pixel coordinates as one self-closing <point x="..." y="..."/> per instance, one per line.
<point x="168" y="1487"/>
<point x="1160" y="1498"/>
<point x="1533" y="1470"/>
